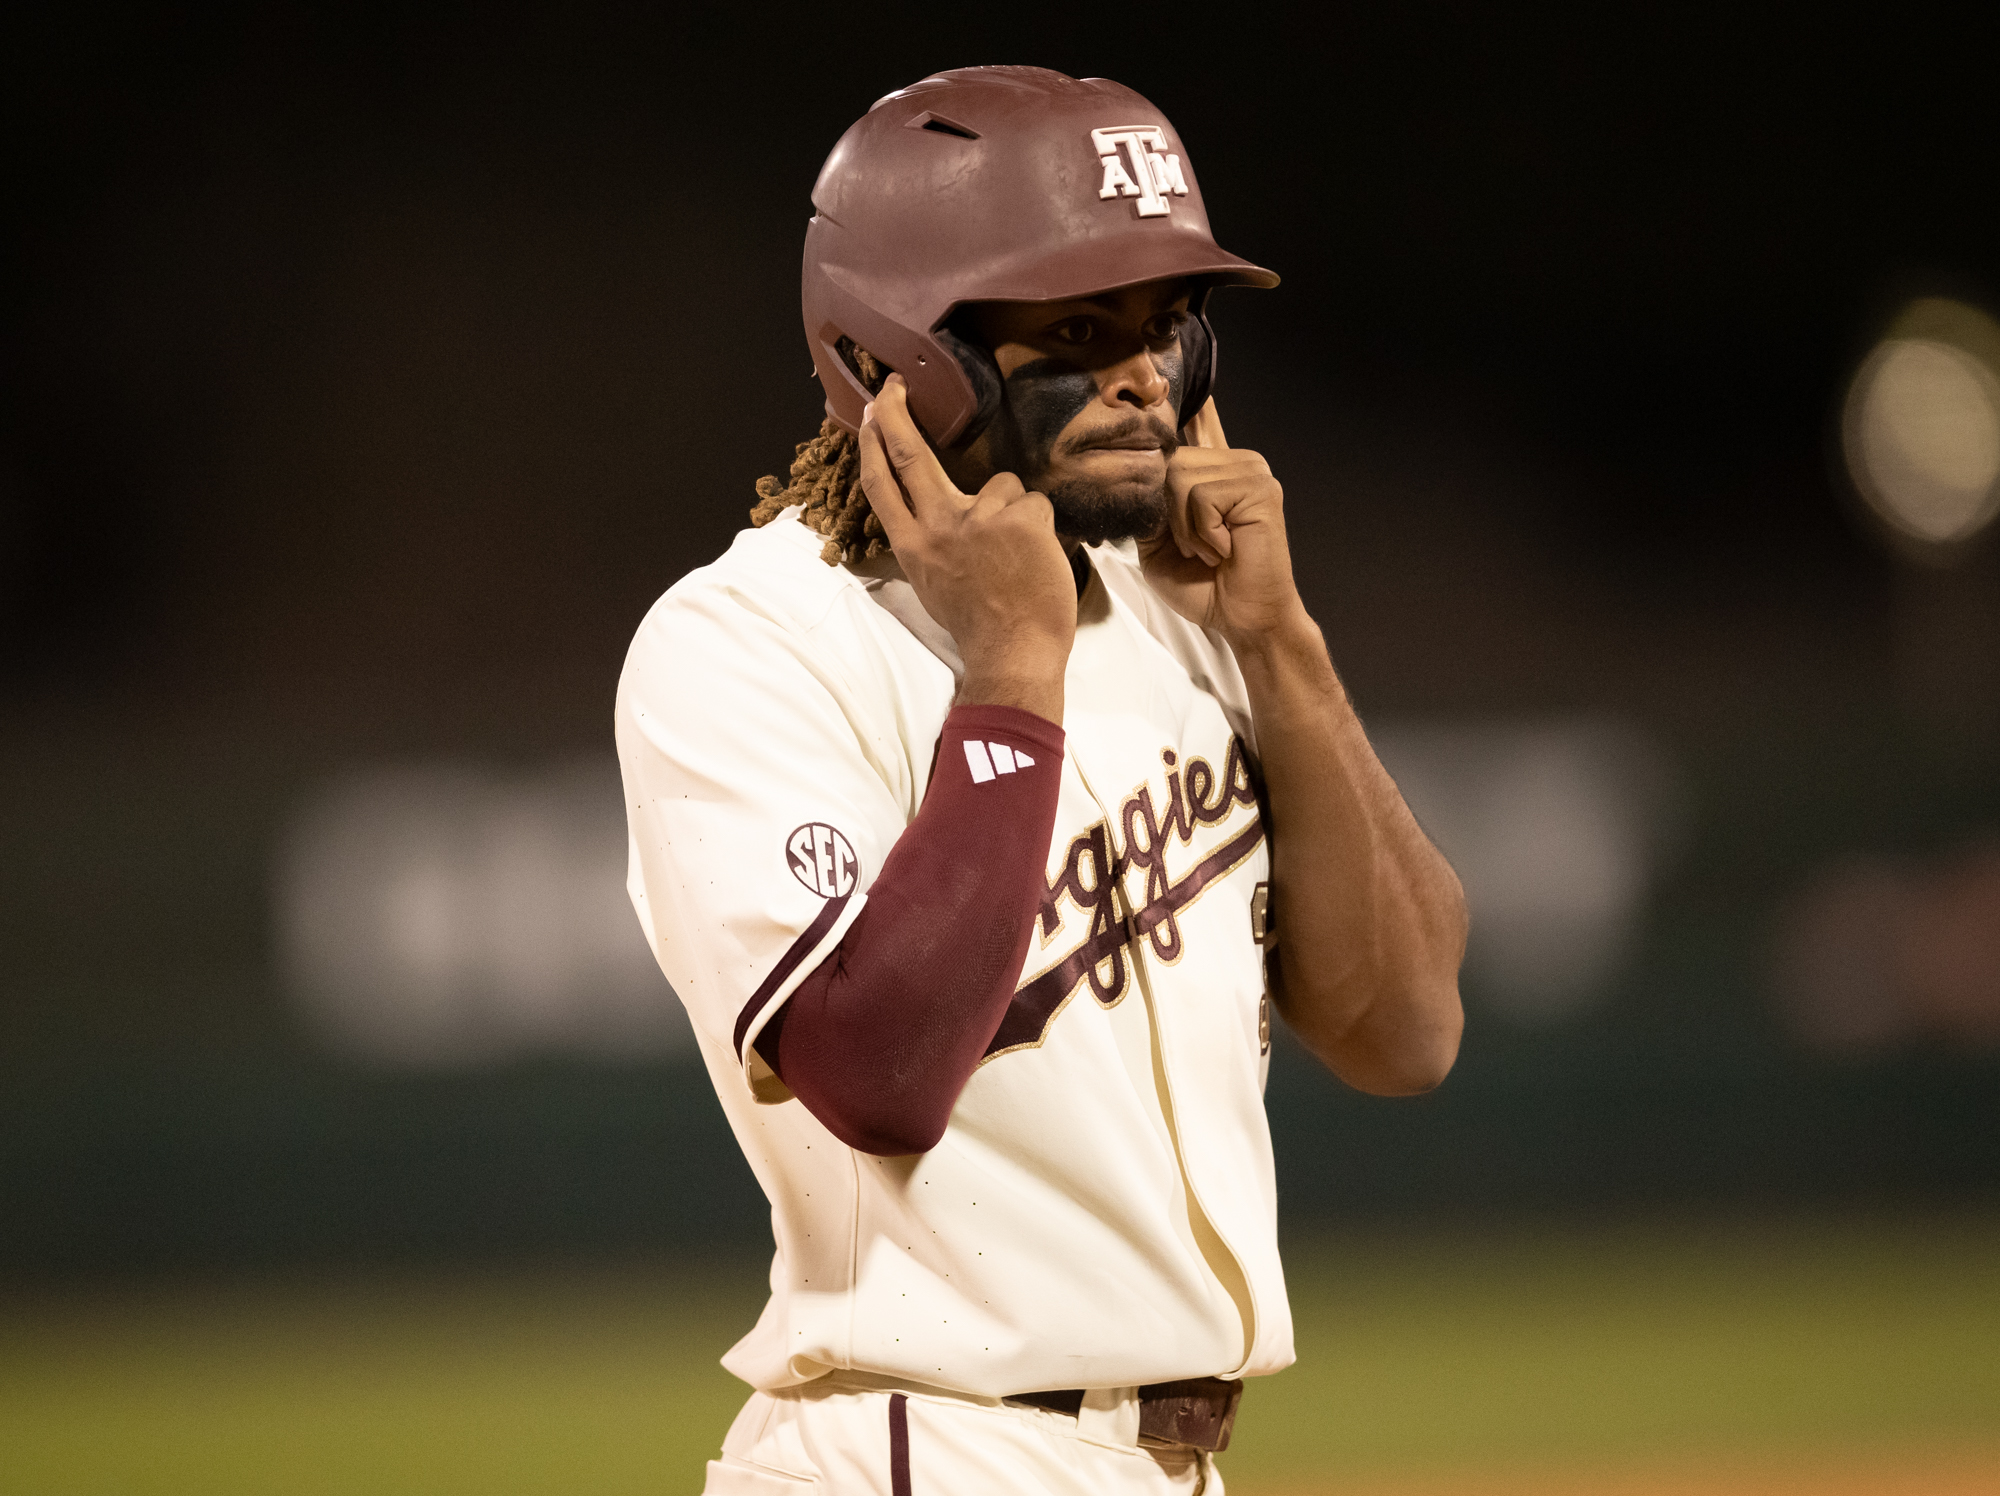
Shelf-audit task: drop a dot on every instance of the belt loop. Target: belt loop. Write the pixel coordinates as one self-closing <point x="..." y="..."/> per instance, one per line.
<point x="1109" y="1415"/>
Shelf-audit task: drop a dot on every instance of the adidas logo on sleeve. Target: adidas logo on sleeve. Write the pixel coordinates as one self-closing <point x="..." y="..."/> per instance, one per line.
<point x="988" y="760"/>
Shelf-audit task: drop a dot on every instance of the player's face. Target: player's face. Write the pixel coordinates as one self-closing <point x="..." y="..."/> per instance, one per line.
<point x="1089" y="393"/>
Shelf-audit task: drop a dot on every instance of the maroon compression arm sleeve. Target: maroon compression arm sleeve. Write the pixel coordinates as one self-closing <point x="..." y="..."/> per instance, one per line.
<point x="879" y="1040"/>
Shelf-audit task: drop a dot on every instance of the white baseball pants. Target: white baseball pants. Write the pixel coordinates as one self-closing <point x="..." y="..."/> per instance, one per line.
<point x="842" y="1436"/>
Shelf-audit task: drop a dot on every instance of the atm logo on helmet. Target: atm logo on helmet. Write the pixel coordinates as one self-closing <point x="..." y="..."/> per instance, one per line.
<point x="1137" y="164"/>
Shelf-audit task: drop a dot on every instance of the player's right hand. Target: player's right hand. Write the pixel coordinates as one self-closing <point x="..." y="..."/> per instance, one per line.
<point x="986" y="566"/>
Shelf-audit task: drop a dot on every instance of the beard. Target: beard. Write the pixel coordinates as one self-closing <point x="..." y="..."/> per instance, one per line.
<point x="1095" y="514"/>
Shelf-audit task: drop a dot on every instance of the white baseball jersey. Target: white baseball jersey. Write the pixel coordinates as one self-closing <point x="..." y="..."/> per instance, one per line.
<point x="1101" y="1211"/>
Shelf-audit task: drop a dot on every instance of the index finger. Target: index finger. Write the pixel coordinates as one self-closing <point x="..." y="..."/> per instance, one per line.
<point x="922" y="476"/>
<point x="878" y="481"/>
<point x="1205" y="430"/>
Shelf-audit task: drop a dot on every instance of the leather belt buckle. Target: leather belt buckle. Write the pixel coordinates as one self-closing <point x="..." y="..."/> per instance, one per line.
<point x="1197" y="1413"/>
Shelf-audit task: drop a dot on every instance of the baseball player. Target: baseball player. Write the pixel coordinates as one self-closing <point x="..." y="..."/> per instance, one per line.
<point x="984" y="796"/>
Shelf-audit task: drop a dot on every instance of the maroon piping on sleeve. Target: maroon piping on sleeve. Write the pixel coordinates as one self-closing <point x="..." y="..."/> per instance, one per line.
<point x="880" y="1038"/>
<point x="796" y="952"/>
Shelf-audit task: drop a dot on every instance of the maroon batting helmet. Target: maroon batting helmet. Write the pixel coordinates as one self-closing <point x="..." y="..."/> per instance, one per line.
<point x="997" y="184"/>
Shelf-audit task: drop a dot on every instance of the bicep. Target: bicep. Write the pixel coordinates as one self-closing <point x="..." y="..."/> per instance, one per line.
<point x="757" y="812"/>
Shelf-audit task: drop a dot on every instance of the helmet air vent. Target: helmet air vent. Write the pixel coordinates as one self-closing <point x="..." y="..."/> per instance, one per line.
<point x="931" y="120"/>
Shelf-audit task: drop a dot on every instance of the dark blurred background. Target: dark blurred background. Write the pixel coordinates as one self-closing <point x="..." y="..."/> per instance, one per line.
<point x="366" y="376"/>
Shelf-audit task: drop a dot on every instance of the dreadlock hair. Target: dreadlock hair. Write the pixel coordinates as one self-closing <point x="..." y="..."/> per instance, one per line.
<point x="826" y="479"/>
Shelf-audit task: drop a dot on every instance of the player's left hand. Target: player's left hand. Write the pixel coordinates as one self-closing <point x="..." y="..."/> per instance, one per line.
<point x="1223" y="561"/>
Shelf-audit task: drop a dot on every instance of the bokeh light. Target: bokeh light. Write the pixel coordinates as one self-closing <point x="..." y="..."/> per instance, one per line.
<point x="1556" y="828"/>
<point x="444" y="915"/>
<point x="1922" y="423"/>
<point x="1875" y="952"/>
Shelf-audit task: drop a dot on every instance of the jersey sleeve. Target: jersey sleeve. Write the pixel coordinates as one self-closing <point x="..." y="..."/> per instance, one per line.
<point x="880" y="1040"/>
<point x="761" y="803"/>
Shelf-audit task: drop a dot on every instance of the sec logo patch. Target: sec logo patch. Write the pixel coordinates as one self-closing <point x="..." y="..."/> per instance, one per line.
<point x="822" y="859"/>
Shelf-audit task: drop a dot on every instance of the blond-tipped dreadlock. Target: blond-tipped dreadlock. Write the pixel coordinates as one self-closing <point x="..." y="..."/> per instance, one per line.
<point x="826" y="479"/>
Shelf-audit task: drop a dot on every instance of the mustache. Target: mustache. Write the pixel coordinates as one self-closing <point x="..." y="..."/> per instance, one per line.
<point x="1138" y="424"/>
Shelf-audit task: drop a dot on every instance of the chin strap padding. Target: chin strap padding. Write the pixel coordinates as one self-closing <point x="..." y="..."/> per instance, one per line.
<point x="1197" y="358"/>
<point x="983" y="374"/>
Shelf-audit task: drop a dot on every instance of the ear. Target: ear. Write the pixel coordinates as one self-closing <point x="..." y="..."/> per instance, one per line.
<point x="984" y="375"/>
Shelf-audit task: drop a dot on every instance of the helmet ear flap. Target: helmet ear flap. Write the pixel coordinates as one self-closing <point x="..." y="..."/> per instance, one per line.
<point x="983" y="373"/>
<point x="1197" y="359"/>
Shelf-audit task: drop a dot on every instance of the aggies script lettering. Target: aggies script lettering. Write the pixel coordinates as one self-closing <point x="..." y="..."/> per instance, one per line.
<point x="1092" y="877"/>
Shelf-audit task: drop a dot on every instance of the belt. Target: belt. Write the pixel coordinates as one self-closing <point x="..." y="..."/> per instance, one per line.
<point x="1198" y="1412"/>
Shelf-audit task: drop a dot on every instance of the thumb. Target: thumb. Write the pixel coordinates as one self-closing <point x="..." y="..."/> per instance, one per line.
<point x="1205" y="430"/>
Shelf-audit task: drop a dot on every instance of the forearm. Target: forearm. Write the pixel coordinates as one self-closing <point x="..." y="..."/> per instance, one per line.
<point x="1369" y="918"/>
<point x="880" y="1039"/>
